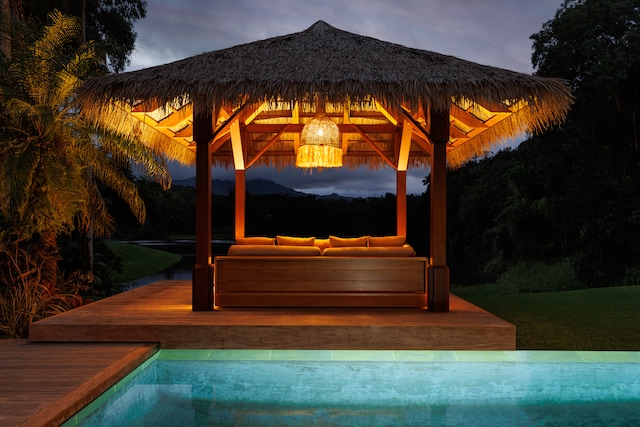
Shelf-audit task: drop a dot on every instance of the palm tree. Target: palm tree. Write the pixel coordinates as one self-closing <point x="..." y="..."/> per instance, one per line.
<point x="51" y="161"/>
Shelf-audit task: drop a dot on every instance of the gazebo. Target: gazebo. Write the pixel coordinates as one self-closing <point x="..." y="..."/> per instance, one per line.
<point x="393" y="105"/>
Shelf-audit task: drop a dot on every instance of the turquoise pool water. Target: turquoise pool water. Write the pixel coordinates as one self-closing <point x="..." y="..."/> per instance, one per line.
<point x="374" y="388"/>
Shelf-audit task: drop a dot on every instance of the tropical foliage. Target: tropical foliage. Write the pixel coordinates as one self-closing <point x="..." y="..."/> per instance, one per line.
<point x="24" y="297"/>
<point x="53" y="164"/>
<point x="108" y="23"/>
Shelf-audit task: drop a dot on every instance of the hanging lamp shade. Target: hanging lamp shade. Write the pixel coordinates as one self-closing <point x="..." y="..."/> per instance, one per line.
<point x="319" y="144"/>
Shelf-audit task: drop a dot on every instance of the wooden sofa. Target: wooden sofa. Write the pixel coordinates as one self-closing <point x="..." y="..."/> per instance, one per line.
<point x="321" y="274"/>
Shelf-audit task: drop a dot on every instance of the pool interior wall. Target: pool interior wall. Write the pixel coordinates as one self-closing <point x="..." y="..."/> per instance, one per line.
<point x="371" y="357"/>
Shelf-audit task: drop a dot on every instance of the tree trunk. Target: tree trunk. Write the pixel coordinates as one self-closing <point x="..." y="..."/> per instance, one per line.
<point x="5" y="43"/>
<point x="83" y="21"/>
<point x="46" y="253"/>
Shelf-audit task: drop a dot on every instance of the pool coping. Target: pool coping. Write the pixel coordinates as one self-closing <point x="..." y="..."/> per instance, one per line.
<point x="405" y="355"/>
<point x="44" y="384"/>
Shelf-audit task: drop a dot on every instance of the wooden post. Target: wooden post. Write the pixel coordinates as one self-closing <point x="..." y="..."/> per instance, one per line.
<point x="401" y="202"/>
<point x="438" y="272"/>
<point x="241" y="192"/>
<point x="202" y="284"/>
<point x="239" y="165"/>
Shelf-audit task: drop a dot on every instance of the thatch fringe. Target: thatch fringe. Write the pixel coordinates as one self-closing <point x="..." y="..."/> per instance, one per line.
<point x="116" y="117"/>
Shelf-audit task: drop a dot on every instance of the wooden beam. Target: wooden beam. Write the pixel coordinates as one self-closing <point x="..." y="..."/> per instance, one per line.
<point x="466" y="117"/>
<point x="343" y="127"/>
<point x="417" y="125"/>
<point x="457" y="133"/>
<point x="185" y="132"/>
<point x="236" y="145"/>
<point x="147" y="106"/>
<point x="266" y="147"/>
<point x="405" y="145"/>
<point x="496" y="107"/>
<point x="438" y="277"/>
<point x="295" y="119"/>
<point x="219" y="141"/>
<point x="394" y="120"/>
<point x="375" y="147"/>
<point x="401" y="202"/>
<point x="346" y="119"/>
<point x="255" y="113"/>
<point x="177" y="116"/>
<point x="423" y="143"/>
<point x="226" y="126"/>
<point x="202" y="285"/>
<point x="240" y="205"/>
<point x="498" y="117"/>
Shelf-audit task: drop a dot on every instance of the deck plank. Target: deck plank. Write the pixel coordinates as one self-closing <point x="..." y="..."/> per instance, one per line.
<point x="44" y="384"/>
<point x="161" y="312"/>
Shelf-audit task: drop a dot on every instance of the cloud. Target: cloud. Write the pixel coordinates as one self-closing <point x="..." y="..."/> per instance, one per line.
<point x="494" y="33"/>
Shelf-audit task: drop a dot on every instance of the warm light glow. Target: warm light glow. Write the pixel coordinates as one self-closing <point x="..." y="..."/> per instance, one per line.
<point x="320" y="145"/>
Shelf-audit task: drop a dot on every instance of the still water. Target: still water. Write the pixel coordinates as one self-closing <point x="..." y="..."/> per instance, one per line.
<point x="184" y="248"/>
<point x="373" y="388"/>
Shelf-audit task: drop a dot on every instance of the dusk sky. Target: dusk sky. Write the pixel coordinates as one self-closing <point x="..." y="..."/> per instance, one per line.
<point x="491" y="32"/>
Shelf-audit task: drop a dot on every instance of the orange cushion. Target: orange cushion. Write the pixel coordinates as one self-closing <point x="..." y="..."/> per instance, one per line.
<point x="341" y="242"/>
<point x="397" y="251"/>
<point x="322" y="244"/>
<point x="264" y="250"/>
<point x="295" y="241"/>
<point x="387" y="241"/>
<point x="255" y="241"/>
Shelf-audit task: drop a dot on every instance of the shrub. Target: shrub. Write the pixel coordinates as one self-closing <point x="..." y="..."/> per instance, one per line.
<point x="528" y="277"/>
<point x="23" y="296"/>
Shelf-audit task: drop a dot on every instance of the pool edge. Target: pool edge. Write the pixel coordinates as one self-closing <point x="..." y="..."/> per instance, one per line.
<point x="556" y="356"/>
<point x="67" y="407"/>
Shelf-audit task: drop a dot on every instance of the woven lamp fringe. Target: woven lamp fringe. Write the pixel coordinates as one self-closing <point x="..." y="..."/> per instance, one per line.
<point x="319" y="156"/>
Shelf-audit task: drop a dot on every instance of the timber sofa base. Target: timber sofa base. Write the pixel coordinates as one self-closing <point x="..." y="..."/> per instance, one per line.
<point x="322" y="281"/>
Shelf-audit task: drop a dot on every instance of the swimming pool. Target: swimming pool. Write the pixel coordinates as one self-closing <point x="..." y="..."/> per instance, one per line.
<point x="437" y="388"/>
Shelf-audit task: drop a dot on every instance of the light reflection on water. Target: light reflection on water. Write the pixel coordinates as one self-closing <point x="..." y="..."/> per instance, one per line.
<point x="182" y="269"/>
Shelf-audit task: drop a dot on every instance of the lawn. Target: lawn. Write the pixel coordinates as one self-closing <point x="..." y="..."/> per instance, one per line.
<point x="139" y="261"/>
<point x="587" y="319"/>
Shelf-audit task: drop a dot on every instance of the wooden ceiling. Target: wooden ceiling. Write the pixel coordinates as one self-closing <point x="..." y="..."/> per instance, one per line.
<point x="269" y="133"/>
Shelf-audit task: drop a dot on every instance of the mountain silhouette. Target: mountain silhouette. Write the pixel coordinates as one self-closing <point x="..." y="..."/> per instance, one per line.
<point x="222" y="187"/>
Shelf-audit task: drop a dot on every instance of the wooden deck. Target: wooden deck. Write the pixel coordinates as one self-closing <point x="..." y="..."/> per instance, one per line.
<point x="161" y="313"/>
<point x="44" y="384"/>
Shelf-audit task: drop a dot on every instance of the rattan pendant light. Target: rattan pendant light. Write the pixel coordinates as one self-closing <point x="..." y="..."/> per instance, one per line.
<point x="320" y="145"/>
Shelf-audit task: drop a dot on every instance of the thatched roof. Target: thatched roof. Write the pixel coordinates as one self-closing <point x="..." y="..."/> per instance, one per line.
<point x="384" y="82"/>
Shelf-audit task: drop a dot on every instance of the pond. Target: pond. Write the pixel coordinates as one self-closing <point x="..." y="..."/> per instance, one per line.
<point x="374" y="388"/>
<point x="186" y="249"/>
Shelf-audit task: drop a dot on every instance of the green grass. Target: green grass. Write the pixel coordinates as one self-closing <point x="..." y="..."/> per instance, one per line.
<point x="551" y="312"/>
<point x="526" y="277"/>
<point x="139" y="261"/>
<point x="588" y="319"/>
